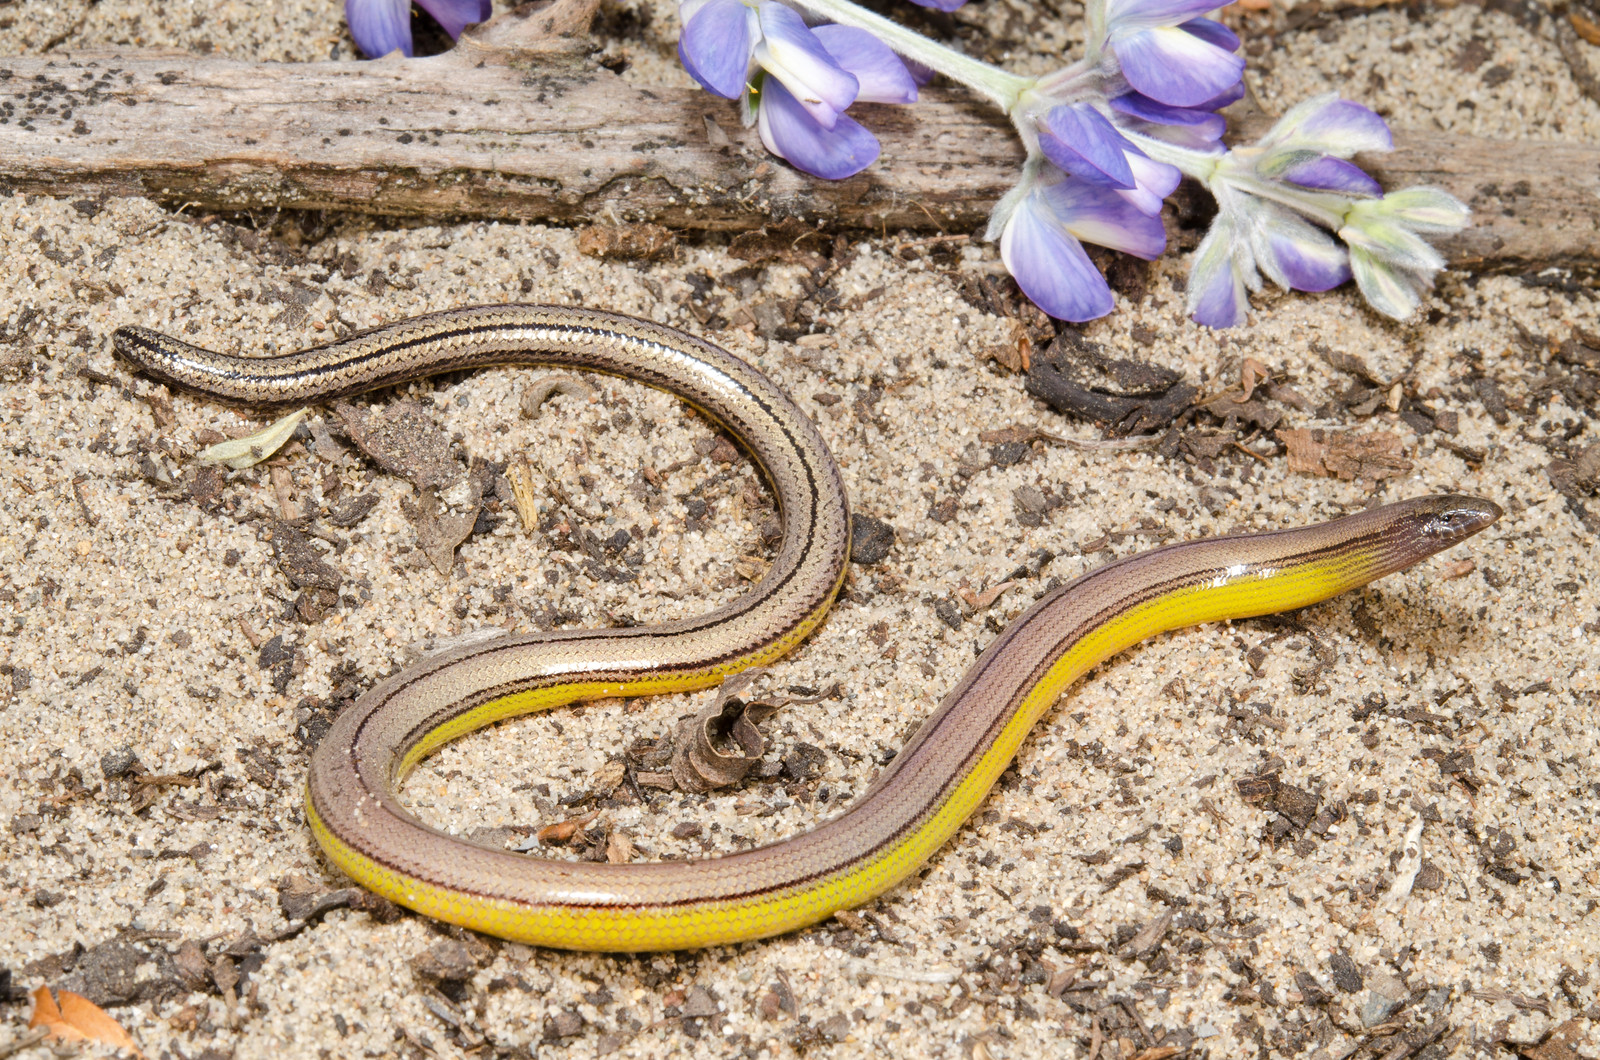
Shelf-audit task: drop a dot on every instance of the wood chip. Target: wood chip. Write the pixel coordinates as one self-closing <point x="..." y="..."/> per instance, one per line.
<point x="619" y="848"/>
<point x="639" y="242"/>
<point x="1014" y="350"/>
<point x="520" y="475"/>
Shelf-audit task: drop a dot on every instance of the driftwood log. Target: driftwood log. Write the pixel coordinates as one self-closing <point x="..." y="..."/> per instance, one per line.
<point x="516" y="123"/>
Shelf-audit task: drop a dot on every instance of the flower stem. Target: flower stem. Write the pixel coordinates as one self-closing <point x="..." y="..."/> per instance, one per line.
<point x="999" y="86"/>
<point x="1200" y="165"/>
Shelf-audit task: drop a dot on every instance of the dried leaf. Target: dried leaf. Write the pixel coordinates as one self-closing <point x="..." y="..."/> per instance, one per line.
<point x="1239" y="404"/>
<point x="562" y="831"/>
<point x="540" y="390"/>
<point x="984" y="600"/>
<point x="439" y="531"/>
<point x="1345" y="456"/>
<point x="718" y="746"/>
<point x="1252" y="373"/>
<point x="403" y="439"/>
<point x="76" y="1018"/>
<point x="1144" y="945"/>
<point x="244" y="452"/>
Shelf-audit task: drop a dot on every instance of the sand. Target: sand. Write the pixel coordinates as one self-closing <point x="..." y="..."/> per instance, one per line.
<point x="1211" y="845"/>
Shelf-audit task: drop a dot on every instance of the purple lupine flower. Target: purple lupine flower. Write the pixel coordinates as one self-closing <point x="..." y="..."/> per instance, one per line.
<point x="1309" y="146"/>
<point x="1262" y="239"/>
<point x="1168" y="53"/>
<point x="1278" y="198"/>
<point x="383" y="26"/>
<point x="1217" y="286"/>
<point x="1083" y="142"/>
<point x="796" y="82"/>
<point x="940" y="5"/>
<point x="792" y="133"/>
<point x="1042" y="242"/>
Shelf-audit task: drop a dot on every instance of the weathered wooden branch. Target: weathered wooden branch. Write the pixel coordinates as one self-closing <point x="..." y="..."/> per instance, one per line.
<point x="515" y="123"/>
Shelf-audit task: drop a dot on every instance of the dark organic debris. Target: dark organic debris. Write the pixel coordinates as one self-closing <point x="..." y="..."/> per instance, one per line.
<point x="353" y="510"/>
<point x="1078" y="378"/>
<point x="790" y="242"/>
<point x="870" y="540"/>
<point x="1579" y="476"/>
<point x="447" y="961"/>
<point x="300" y="561"/>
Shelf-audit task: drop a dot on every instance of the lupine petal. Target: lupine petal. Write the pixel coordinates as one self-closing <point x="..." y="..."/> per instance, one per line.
<point x="1127" y="16"/>
<point x="1171" y="66"/>
<point x="880" y="74"/>
<point x="791" y="133"/>
<point x="940" y="5"/>
<point x="1299" y="255"/>
<point x="1212" y="32"/>
<point x="454" y="16"/>
<point x="380" y="26"/>
<point x="1388" y="290"/>
<point x="1158" y="178"/>
<point x="1346" y="128"/>
<point x="1327" y="173"/>
<point x="1427" y="210"/>
<point x="1050" y="265"/>
<point x="1154" y="182"/>
<point x="1312" y="267"/>
<point x="1105" y="218"/>
<point x="1330" y="126"/>
<point x="791" y="52"/>
<point x="1185" y="126"/>
<point x="715" y="47"/>
<point x="1227" y="96"/>
<point x="1082" y="142"/>
<point x="1217" y="296"/>
<point x="1144" y="108"/>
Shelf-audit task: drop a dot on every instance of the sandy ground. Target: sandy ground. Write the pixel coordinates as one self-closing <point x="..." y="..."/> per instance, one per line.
<point x="1194" y="855"/>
